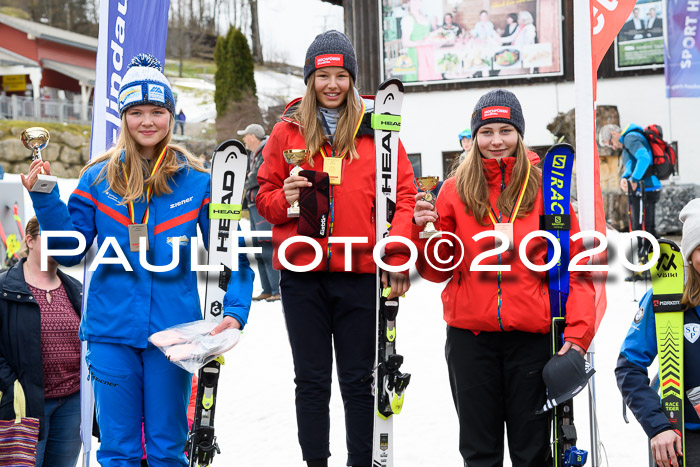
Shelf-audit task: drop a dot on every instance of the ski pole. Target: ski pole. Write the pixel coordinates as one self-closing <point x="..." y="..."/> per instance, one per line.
<point x="592" y="409"/>
<point x="631" y="229"/>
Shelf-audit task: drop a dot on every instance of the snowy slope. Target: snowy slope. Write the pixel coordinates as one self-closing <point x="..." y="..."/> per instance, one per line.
<point x="256" y="424"/>
<point x="196" y="96"/>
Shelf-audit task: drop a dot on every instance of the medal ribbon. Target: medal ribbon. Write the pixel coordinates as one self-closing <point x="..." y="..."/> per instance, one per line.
<point x="324" y="153"/>
<point x="130" y="205"/>
<point x="513" y="215"/>
<point x="332" y="200"/>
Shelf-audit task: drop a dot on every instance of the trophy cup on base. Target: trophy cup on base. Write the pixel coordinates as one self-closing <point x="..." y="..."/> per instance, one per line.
<point x="295" y="157"/>
<point x="36" y="139"/>
<point x="426" y="184"/>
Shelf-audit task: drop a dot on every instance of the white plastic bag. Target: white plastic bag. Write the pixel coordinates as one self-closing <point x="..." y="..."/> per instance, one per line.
<point x="190" y="346"/>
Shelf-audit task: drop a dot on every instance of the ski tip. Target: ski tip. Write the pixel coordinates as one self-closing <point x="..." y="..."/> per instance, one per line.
<point x="228" y="143"/>
<point x="560" y="148"/>
<point x="671" y="244"/>
<point x="389" y="82"/>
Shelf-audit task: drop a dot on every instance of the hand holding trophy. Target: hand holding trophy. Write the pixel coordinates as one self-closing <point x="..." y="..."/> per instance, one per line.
<point x="426" y="184"/>
<point x="296" y="157"/>
<point x="36" y="139"/>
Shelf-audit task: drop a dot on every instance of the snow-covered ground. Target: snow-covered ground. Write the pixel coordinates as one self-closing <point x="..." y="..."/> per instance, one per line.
<point x="255" y="419"/>
<point x="196" y="96"/>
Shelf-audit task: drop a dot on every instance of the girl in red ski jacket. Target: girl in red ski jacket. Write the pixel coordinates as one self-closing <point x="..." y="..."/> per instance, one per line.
<point x="330" y="307"/>
<point x="499" y="322"/>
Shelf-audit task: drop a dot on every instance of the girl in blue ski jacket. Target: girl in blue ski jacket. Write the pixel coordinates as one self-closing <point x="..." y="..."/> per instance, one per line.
<point x="639" y="351"/>
<point x="142" y="187"/>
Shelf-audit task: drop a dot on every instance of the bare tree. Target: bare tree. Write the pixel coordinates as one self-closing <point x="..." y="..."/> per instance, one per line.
<point x="255" y="32"/>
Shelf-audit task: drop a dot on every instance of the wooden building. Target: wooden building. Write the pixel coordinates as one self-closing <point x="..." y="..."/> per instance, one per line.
<point x="53" y="61"/>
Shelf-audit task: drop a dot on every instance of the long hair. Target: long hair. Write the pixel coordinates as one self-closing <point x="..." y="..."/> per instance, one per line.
<point x="30" y="230"/>
<point x="313" y="131"/>
<point x="473" y="189"/>
<point x="138" y="168"/>
<point x="691" y="291"/>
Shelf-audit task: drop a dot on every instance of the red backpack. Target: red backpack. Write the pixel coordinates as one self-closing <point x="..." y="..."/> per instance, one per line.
<point x="663" y="154"/>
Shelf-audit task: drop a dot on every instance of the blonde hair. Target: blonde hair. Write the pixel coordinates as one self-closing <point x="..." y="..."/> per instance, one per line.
<point x="30" y="230"/>
<point x="691" y="291"/>
<point x="314" y="133"/>
<point x="138" y="168"/>
<point x="473" y="189"/>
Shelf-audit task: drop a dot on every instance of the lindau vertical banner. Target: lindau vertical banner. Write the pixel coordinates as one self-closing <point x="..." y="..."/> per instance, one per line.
<point x="682" y="48"/>
<point x="127" y="28"/>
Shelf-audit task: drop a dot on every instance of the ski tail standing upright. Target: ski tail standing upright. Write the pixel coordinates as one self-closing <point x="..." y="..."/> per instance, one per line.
<point x="228" y="169"/>
<point x="389" y="382"/>
<point x="667" y="280"/>
<point x="556" y="186"/>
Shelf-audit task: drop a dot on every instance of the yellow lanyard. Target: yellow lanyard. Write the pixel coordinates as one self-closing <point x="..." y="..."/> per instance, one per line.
<point x="514" y="214"/>
<point x="130" y="205"/>
<point x="354" y="134"/>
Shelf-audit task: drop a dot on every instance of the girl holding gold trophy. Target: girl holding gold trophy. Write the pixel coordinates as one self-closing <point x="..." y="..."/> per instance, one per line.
<point x="331" y="306"/>
<point x="498" y="333"/>
<point x="140" y="195"/>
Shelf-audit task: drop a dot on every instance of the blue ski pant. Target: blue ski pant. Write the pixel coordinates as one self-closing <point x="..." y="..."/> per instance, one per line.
<point x="496" y="380"/>
<point x="134" y="387"/>
<point x="326" y="312"/>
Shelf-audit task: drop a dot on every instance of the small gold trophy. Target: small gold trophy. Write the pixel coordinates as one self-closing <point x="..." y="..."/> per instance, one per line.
<point x="426" y="184"/>
<point x="36" y="139"/>
<point x="295" y="157"/>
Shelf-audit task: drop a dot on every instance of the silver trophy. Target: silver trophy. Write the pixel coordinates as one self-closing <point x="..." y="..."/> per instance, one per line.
<point x="36" y="139"/>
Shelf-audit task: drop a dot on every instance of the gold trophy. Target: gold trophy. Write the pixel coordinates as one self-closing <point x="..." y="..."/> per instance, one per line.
<point x="296" y="157"/>
<point x="426" y="184"/>
<point x="36" y="139"/>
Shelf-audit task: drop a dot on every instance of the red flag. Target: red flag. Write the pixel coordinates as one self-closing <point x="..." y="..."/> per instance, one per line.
<point x="603" y="20"/>
<point x="607" y="18"/>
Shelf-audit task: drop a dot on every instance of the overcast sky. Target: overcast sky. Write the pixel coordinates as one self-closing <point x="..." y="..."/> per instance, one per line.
<point x="287" y="27"/>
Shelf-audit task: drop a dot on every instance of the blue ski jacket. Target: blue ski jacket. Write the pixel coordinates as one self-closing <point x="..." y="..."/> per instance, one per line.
<point x="637" y="158"/>
<point x="126" y="307"/>
<point x="637" y="354"/>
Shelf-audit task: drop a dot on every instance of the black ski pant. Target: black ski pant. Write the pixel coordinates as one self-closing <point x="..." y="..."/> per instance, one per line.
<point x="644" y="218"/>
<point x="496" y="379"/>
<point x="327" y="311"/>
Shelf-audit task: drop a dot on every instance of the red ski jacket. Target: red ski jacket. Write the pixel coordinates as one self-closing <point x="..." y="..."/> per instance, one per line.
<point x="514" y="300"/>
<point x="352" y="202"/>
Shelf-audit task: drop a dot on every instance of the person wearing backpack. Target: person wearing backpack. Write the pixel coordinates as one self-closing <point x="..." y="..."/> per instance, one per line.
<point x="638" y="164"/>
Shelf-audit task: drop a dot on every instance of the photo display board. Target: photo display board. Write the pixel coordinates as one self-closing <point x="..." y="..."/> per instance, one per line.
<point x="640" y="43"/>
<point x="433" y="41"/>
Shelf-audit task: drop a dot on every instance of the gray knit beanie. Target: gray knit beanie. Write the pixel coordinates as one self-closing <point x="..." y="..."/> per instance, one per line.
<point x="690" y="216"/>
<point x="331" y="48"/>
<point x="498" y="106"/>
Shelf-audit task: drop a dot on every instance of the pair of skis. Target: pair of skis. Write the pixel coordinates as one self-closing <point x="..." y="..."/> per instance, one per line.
<point x="667" y="281"/>
<point x="389" y="382"/>
<point x="228" y="171"/>
<point x="556" y="191"/>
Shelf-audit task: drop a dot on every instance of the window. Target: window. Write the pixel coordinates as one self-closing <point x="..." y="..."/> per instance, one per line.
<point x="449" y="162"/>
<point x="415" y="162"/>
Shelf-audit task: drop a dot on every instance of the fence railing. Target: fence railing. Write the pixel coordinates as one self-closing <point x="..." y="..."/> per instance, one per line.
<point x="50" y="110"/>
